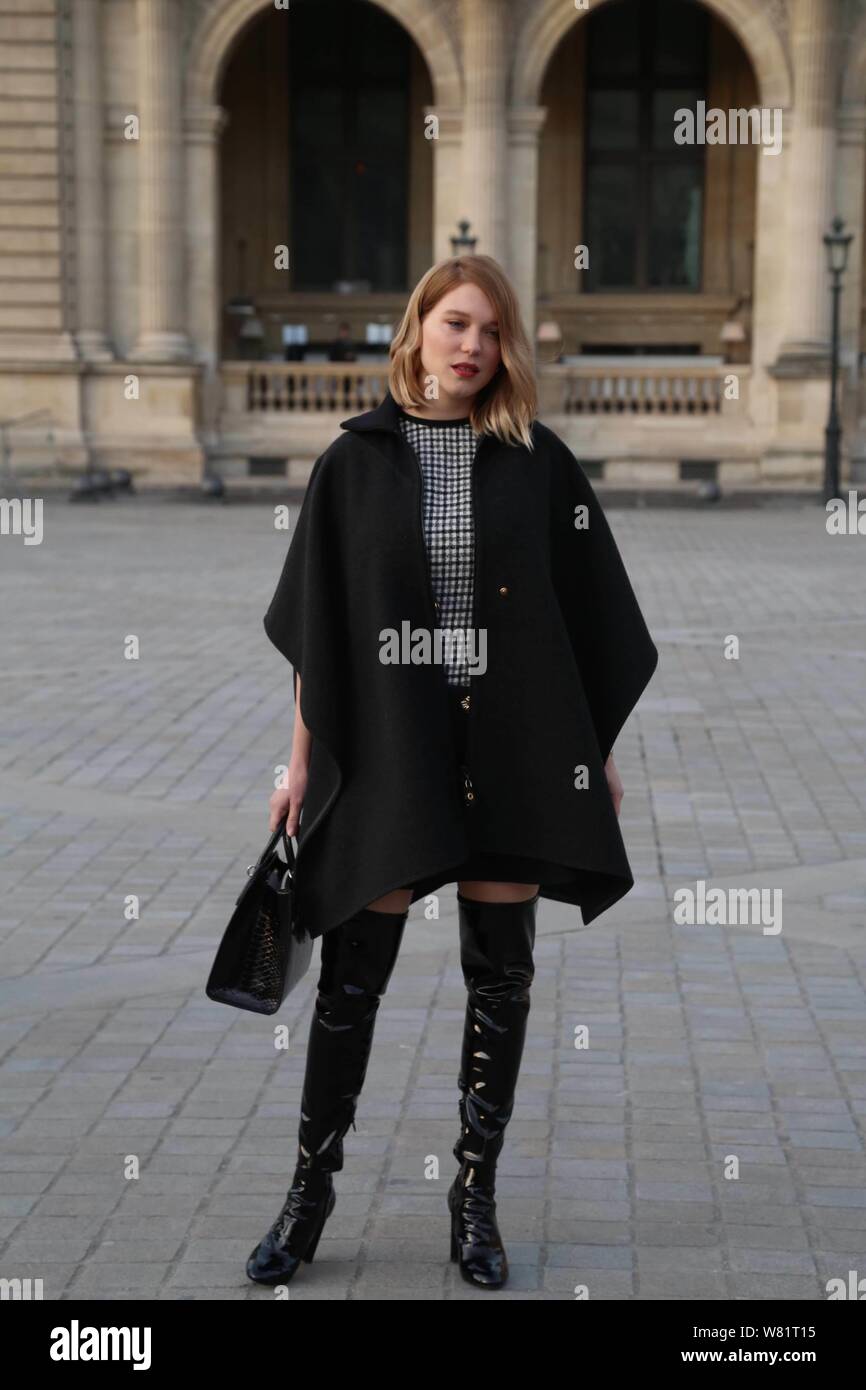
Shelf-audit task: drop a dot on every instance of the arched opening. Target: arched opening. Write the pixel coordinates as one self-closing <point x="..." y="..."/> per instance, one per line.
<point x="323" y="154"/>
<point x="669" y="227"/>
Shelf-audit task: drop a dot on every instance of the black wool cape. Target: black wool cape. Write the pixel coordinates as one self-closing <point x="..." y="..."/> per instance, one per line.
<point x="568" y="656"/>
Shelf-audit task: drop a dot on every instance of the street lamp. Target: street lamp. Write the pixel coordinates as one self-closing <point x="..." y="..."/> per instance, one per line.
<point x="549" y="334"/>
<point x="463" y="243"/>
<point x="837" y="243"/>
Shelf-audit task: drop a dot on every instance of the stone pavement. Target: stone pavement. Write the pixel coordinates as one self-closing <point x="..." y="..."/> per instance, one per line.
<point x="147" y="1135"/>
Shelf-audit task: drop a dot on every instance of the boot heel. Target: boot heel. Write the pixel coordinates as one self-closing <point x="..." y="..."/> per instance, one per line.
<point x="311" y="1248"/>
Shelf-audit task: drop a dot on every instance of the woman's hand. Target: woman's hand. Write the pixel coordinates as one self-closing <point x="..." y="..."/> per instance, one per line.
<point x="286" y="802"/>
<point x="614" y="782"/>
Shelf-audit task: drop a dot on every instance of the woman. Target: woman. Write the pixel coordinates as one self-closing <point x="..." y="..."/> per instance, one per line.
<point x="466" y="647"/>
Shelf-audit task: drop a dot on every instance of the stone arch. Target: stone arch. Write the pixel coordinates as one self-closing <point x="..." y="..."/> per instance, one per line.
<point x="221" y="24"/>
<point x="550" y="20"/>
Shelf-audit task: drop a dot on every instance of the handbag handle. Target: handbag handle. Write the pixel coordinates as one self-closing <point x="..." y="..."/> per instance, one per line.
<point x="271" y="846"/>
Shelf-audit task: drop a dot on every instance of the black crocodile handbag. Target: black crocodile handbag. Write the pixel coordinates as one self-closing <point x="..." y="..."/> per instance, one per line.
<point x="262" y="955"/>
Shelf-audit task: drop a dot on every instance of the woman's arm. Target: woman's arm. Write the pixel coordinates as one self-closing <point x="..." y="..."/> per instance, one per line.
<point x="301" y="739"/>
<point x="286" y="802"/>
<point x="614" y="782"/>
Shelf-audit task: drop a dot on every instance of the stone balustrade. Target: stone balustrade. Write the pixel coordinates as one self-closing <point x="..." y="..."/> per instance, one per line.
<point x="584" y="388"/>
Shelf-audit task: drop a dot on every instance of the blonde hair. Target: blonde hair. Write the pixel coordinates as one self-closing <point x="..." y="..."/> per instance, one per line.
<point x="507" y="405"/>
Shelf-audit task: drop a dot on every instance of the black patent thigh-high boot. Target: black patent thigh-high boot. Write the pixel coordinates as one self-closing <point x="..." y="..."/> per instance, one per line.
<point x="496" y="951"/>
<point x="357" y="960"/>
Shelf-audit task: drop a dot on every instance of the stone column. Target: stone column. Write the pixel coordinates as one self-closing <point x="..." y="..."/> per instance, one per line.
<point x="811" y="181"/>
<point x="851" y="165"/>
<point x="161" y="192"/>
<point x="484" y="130"/>
<point x="448" y="205"/>
<point x="769" y="278"/>
<point x="203" y="127"/>
<point x="524" y="128"/>
<point x="92" y="268"/>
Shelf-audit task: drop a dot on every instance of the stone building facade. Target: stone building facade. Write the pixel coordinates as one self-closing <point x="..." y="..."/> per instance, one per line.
<point x="188" y="187"/>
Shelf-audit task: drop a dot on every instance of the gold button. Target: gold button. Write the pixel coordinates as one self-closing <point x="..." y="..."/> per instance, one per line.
<point x="465" y="701"/>
<point x="503" y="590"/>
<point x="435" y="603"/>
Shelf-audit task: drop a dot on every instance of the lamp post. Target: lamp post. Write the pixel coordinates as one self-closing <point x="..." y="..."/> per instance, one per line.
<point x="837" y="243"/>
<point x="464" y="243"/>
<point x="549" y="334"/>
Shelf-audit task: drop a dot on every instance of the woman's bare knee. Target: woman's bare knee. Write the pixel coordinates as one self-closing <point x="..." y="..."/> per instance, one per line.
<point x="485" y="892"/>
<point x="397" y="901"/>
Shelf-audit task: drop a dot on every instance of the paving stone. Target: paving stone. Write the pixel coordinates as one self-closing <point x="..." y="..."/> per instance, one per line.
<point x="706" y="1041"/>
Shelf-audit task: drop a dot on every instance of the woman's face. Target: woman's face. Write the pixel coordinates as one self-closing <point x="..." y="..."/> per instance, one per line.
<point x="459" y="347"/>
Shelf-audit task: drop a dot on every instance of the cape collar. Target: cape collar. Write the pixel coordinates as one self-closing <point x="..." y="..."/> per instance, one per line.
<point x="385" y="416"/>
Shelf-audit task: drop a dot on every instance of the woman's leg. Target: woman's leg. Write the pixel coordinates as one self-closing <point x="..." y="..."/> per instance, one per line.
<point x="396" y="901"/>
<point x="484" y="892"/>
<point x="497" y="939"/>
<point x="479" y="890"/>
<point x="357" y="959"/>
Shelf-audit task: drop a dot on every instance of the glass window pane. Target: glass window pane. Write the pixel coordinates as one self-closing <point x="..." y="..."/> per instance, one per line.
<point x="675" y="226"/>
<point x="379" y="54"/>
<point x="666" y="101"/>
<point x="349" y="166"/>
<point x="611" y="226"/>
<point x="613" y="120"/>
<point x="647" y="59"/>
<point x="680" y="45"/>
<point x="614" y="41"/>
<point x="379" y="197"/>
<point x="317" y="162"/>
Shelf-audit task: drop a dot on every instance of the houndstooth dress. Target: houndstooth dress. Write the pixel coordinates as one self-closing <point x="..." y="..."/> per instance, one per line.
<point x="445" y="450"/>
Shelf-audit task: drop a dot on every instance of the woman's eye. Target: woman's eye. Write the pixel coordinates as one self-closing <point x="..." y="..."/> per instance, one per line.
<point x="458" y="323"/>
